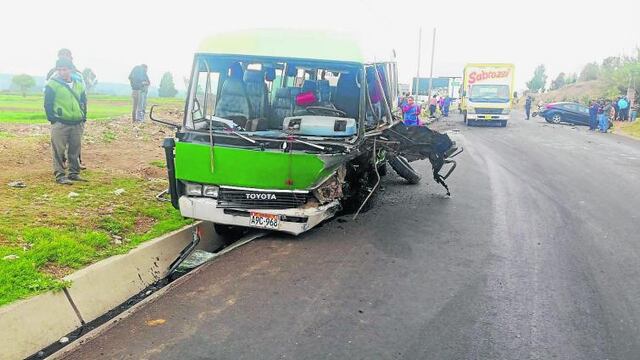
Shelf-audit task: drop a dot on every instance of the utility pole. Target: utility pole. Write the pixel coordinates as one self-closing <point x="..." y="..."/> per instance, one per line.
<point x="418" y="71"/>
<point x="433" y="48"/>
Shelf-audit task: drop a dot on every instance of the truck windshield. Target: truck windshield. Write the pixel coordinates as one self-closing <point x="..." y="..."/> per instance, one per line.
<point x="271" y="98"/>
<point x="489" y="93"/>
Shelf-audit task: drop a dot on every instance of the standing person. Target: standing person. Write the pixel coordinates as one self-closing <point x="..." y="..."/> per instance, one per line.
<point x="603" y="116"/>
<point x="616" y="109"/>
<point x="433" y="104"/>
<point x="593" y="115"/>
<point x="623" y="106"/>
<point x="411" y="112"/>
<point x="527" y="107"/>
<point x="402" y="99"/>
<point x="65" y="53"/>
<point x="446" y="105"/>
<point x="139" y="81"/>
<point x="65" y="104"/>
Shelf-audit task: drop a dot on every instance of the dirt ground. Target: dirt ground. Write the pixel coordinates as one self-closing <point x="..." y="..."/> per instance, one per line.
<point x="114" y="146"/>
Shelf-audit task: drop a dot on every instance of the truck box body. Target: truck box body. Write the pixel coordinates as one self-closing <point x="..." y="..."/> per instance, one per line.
<point x="487" y="93"/>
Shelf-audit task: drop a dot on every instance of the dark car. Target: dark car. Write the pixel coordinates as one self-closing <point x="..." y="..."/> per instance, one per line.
<point x="567" y="112"/>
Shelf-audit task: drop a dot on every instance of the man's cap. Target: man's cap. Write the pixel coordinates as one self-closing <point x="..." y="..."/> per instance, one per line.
<point x="64" y="52"/>
<point x="64" y="63"/>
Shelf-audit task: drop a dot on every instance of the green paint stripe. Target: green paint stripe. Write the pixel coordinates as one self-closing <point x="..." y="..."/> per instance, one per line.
<point x="248" y="168"/>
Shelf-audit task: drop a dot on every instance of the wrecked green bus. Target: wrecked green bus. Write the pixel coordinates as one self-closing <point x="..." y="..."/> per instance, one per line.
<point x="283" y="130"/>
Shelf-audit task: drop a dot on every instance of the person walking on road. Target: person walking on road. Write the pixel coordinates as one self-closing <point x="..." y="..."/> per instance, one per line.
<point x="527" y="107"/>
<point x="433" y="104"/>
<point x="411" y="112"/>
<point x="65" y="104"/>
<point x="446" y="106"/>
<point x="593" y="115"/>
<point x="139" y="81"/>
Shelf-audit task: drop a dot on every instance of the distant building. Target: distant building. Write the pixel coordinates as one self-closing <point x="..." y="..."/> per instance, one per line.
<point x="440" y="85"/>
<point x="404" y="88"/>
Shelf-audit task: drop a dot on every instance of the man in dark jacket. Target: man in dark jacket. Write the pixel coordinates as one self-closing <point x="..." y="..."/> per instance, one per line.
<point x="139" y="81"/>
<point x="65" y="104"/>
<point x="593" y="115"/>
<point x="527" y="107"/>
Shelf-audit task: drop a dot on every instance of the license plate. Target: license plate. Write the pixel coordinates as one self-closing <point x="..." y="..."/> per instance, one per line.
<point x="265" y="221"/>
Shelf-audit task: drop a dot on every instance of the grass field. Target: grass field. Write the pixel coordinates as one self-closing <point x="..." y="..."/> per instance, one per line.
<point x="629" y="128"/>
<point x="47" y="230"/>
<point x="53" y="233"/>
<point x="15" y="108"/>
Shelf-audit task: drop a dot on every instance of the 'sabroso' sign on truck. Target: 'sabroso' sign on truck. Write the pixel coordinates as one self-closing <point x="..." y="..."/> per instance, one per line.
<point x="487" y="93"/>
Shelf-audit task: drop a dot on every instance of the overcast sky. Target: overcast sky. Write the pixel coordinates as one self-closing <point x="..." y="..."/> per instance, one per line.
<point x="112" y="36"/>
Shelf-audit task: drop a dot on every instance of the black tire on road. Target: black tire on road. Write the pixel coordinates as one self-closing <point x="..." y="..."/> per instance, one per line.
<point x="402" y="167"/>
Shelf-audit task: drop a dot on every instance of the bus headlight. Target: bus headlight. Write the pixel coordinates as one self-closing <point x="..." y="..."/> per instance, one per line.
<point x="210" y="191"/>
<point x="192" y="189"/>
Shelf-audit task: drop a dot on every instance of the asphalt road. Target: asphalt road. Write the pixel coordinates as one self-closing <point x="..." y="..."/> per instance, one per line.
<point x="535" y="256"/>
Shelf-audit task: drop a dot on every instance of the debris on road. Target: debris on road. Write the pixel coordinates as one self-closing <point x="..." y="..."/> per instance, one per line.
<point x="156" y="322"/>
<point x="63" y="340"/>
<point x="197" y="258"/>
<point x="119" y="192"/>
<point x="73" y="195"/>
<point x="17" y="185"/>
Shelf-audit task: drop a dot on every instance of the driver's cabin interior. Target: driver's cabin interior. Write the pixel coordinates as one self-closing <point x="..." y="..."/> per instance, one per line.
<point x="263" y="96"/>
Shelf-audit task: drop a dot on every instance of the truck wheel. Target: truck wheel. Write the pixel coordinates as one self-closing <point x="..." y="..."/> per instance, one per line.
<point x="229" y="233"/>
<point x="402" y="167"/>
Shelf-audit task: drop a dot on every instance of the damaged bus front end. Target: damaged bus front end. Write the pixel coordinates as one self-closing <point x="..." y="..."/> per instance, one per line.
<point x="281" y="136"/>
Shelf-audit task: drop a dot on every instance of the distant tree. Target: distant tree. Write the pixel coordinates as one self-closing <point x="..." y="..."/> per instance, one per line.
<point x="23" y="83"/>
<point x="612" y="63"/>
<point x="536" y="84"/>
<point x="558" y="82"/>
<point x="90" y="79"/>
<point x="571" y="79"/>
<point x="167" y="87"/>
<point x="591" y="71"/>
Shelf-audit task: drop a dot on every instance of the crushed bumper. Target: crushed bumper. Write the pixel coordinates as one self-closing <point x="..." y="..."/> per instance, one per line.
<point x="292" y="221"/>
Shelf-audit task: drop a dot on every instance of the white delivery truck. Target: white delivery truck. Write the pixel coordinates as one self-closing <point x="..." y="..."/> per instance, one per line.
<point x="487" y="94"/>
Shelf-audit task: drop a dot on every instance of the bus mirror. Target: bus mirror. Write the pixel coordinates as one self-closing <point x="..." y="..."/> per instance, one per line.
<point x="163" y="122"/>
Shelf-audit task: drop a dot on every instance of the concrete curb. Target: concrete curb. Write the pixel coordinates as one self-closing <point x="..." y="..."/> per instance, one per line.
<point x="108" y="283"/>
<point x="30" y="325"/>
<point x="148" y="300"/>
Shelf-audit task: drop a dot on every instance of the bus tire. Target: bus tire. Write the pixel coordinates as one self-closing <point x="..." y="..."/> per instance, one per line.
<point x="402" y="168"/>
